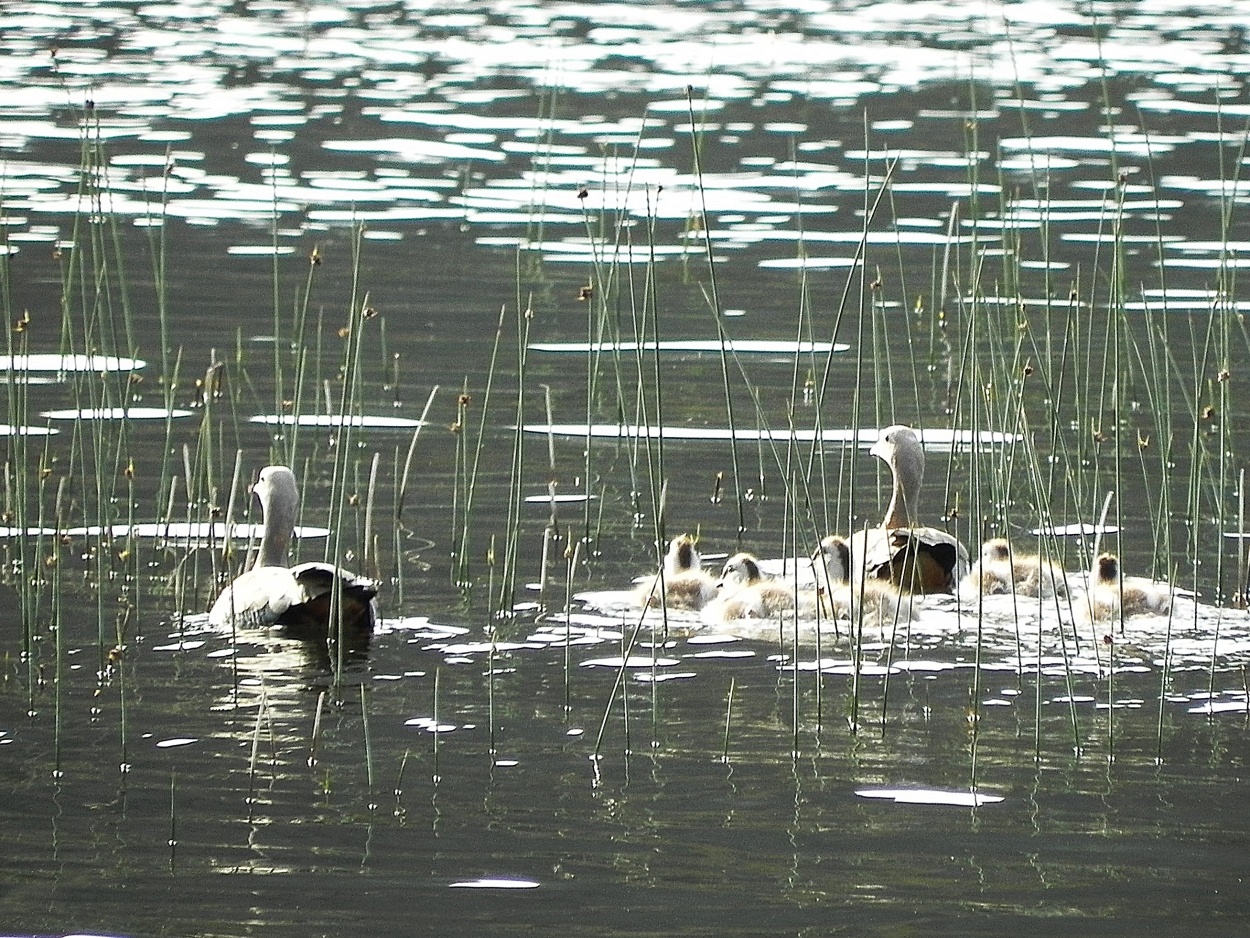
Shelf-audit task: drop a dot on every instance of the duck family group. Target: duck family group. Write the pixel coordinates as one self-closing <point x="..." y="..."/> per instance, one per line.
<point x="876" y="567"/>
<point x="871" y="569"/>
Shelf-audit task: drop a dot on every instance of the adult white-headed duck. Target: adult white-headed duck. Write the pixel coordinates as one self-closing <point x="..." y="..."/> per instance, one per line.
<point x="300" y="597"/>
<point x="914" y="558"/>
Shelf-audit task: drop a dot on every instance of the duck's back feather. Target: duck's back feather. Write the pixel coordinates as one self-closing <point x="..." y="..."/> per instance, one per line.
<point x="256" y="597"/>
<point x="299" y="597"/>
<point x="918" y="559"/>
<point x="316" y="581"/>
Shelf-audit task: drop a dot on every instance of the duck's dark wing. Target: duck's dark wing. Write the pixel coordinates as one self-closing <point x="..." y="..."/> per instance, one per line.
<point x="920" y="560"/>
<point x="314" y="611"/>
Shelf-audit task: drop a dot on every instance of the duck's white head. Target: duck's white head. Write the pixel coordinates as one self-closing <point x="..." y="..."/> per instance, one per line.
<point x="277" y="484"/>
<point x="835" y="553"/>
<point x="1107" y="569"/>
<point x="899" y="446"/>
<point x="740" y="570"/>
<point x="682" y="556"/>
<point x="996" y="548"/>
<point x="278" y="495"/>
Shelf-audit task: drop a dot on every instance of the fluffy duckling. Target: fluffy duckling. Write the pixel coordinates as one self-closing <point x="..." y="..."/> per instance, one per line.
<point x="744" y="592"/>
<point x="1112" y="595"/>
<point x="833" y="566"/>
<point x="683" y="584"/>
<point x="1003" y="570"/>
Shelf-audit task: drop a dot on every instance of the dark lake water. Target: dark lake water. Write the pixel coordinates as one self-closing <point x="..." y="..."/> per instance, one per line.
<point x="1019" y="227"/>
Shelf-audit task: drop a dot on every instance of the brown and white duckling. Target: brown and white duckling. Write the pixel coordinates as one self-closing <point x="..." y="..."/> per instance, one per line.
<point x="1112" y="595"/>
<point x="744" y="592"/>
<point x="914" y="558"/>
<point x="683" y="585"/>
<point x="1003" y="570"/>
<point x="840" y="596"/>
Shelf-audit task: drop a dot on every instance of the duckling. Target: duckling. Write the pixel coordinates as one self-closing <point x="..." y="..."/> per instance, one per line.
<point x="1002" y="570"/>
<point x="833" y="559"/>
<point x="746" y="593"/>
<point x="683" y="585"/>
<point x="915" y="558"/>
<point x="1112" y="595"/>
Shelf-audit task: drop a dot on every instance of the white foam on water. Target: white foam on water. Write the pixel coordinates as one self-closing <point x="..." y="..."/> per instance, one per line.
<point x="647" y="678"/>
<point x="182" y="531"/>
<point x="745" y="346"/>
<point x="430" y="726"/>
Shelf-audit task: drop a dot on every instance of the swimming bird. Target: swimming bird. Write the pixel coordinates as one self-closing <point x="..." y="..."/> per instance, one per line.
<point x="1003" y="570"/>
<point x="1112" y="595"/>
<point x="683" y="585"/>
<point x="300" y="597"/>
<point x="914" y="558"/>
<point x="840" y="597"/>
<point x="744" y="592"/>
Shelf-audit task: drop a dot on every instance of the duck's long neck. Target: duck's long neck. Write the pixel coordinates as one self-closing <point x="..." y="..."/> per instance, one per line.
<point x="908" y="471"/>
<point x="278" y="516"/>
